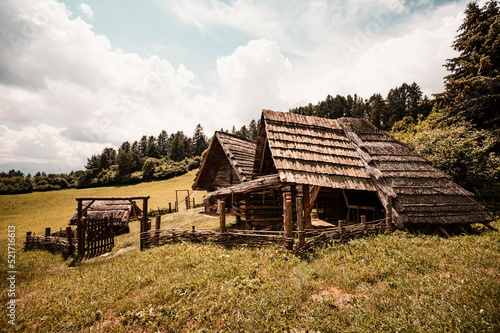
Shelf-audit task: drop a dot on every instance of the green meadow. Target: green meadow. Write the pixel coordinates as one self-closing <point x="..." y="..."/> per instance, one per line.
<point x="393" y="282"/>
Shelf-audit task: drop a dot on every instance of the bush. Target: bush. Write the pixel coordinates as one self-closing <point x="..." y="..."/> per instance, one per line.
<point x="14" y="185"/>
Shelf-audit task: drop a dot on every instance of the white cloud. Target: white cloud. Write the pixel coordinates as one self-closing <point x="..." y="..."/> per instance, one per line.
<point x="251" y="78"/>
<point x="86" y="10"/>
<point x="65" y="92"/>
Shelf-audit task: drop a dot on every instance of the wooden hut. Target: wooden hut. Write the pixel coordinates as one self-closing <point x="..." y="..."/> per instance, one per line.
<point x="122" y="211"/>
<point x="229" y="161"/>
<point x="345" y="168"/>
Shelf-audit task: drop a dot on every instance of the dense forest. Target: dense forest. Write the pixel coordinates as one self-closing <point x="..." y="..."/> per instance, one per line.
<point x="458" y="130"/>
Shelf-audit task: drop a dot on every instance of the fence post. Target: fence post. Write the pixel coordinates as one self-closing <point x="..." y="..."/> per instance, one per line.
<point x="157" y="230"/>
<point x="144" y="221"/>
<point x="69" y="238"/>
<point x="169" y="207"/>
<point x="341" y="227"/>
<point x="363" y="222"/>
<point x="287" y="217"/>
<point x="222" y="216"/>
<point x="187" y="202"/>
<point x="176" y="205"/>
<point x="194" y="203"/>
<point x="300" y="222"/>
<point x="80" y="231"/>
<point x="47" y="232"/>
<point x="27" y="245"/>
<point x="388" y="219"/>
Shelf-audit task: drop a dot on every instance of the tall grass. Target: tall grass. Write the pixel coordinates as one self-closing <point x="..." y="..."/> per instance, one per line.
<point x="393" y="282"/>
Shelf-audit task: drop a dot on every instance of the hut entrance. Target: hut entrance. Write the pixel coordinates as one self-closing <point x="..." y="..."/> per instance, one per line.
<point x="337" y="204"/>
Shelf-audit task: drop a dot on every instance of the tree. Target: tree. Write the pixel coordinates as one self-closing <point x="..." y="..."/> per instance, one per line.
<point x="377" y="109"/>
<point x="107" y="158"/>
<point x="163" y="143"/>
<point x="152" y="149"/>
<point x="124" y="160"/>
<point x="254" y="130"/>
<point x="180" y="147"/>
<point x="199" y="141"/>
<point x="472" y="90"/>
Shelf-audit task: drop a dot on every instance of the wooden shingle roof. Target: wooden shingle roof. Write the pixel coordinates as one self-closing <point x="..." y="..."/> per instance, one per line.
<point x="421" y="193"/>
<point x="229" y="155"/>
<point x="310" y="150"/>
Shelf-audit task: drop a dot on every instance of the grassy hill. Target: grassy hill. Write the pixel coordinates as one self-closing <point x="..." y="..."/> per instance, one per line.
<point x="393" y="282"/>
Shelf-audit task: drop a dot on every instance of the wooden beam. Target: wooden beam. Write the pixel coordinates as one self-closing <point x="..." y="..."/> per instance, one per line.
<point x="307" y="206"/>
<point x="300" y="222"/>
<point x="443" y="231"/>
<point x="288" y="218"/>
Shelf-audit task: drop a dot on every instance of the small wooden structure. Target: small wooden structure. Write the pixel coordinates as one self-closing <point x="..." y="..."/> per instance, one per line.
<point x="87" y="233"/>
<point x="122" y="210"/>
<point x="228" y="161"/>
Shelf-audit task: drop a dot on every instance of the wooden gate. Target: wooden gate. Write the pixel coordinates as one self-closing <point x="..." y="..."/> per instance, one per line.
<point x="99" y="236"/>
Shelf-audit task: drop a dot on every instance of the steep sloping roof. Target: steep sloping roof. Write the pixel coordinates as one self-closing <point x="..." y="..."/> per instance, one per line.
<point x="310" y="150"/>
<point x="229" y="154"/>
<point x="421" y="193"/>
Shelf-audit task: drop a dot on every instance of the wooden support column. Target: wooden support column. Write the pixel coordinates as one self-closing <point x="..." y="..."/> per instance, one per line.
<point x="80" y="230"/>
<point x="300" y="222"/>
<point x="47" y="232"/>
<point x="341" y="226"/>
<point x="388" y="217"/>
<point x="222" y="216"/>
<point x="287" y="218"/>
<point x="307" y="207"/>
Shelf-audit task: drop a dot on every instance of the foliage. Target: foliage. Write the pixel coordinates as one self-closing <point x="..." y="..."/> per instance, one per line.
<point x="472" y="90"/>
<point x="458" y="149"/>
<point x="406" y="100"/>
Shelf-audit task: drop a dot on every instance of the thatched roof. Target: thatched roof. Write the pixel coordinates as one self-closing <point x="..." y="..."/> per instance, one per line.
<point x="228" y="161"/>
<point x="421" y="193"/>
<point x="309" y="150"/>
<point x="122" y="210"/>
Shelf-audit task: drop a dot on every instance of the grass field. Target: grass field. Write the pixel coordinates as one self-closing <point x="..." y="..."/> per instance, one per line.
<point x="393" y="282"/>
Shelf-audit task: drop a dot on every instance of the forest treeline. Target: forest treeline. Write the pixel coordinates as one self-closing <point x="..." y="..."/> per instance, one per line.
<point x="150" y="158"/>
<point x="458" y="130"/>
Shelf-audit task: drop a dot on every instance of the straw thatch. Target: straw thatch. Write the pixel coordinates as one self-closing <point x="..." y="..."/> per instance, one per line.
<point x="228" y="161"/>
<point x="122" y="211"/>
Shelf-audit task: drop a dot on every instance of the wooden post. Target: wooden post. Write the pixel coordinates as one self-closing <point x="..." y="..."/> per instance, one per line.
<point x="187" y="202"/>
<point x="47" y="232"/>
<point x="80" y="230"/>
<point x="300" y="222"/>
<point x="363" y="221"/>
<point x="388" y="220"/>
<point x="27" y="245"/>
<point x="287" y="218"/>
<point x="307" y="206"/>
<point x="222" y="216"/>
<point x="157" y="230"/>
<point x="176" y="206"/>
<point x="194" y="203"/>
<point x="341" y="227"/>
<point x="144" y="221"/>
<point x="69" y="238"/>
<point x="169" y="207"/>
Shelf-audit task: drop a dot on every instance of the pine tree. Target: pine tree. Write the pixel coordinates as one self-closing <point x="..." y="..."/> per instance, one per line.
<point x="199" y="141"/>
<point x="472" y="90"/>
<point x="163" y="143"/>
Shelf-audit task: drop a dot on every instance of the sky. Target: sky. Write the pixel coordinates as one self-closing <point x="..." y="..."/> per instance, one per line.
<point x="76" y="77"/>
